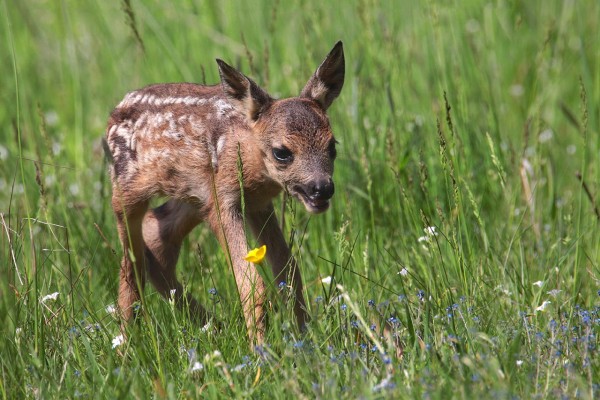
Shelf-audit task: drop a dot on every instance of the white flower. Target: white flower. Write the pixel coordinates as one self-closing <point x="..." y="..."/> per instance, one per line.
<point x="326" y="280"/>
<point x="517" y="90"/>
<point x="430" y="231"/>
<point x="52" y="296"/>
<point x="403" y="272"/>
<point x="206" y="327"/>
<point x="172" y="296"/>
<point x="546" y="135"/>
<point x="111" y="309"/>
<point x="554" y="292"/>
<point x="117" y="341"/>
<point x="519" y="363"/>
<point x="238" y="367"/>
<point x="51" y="118"/>
<point x="538" y="283"/>
<point x="543" y="306"/>
<point x="18" y="331"/>
<point x="197" y="366"/>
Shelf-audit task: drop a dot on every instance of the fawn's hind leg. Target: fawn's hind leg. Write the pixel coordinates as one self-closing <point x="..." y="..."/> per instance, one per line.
<point x="129" y="223"/>
<point x="164" y="229"/>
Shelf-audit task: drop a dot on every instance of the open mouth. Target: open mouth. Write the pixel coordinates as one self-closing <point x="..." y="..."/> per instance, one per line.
<point x="313" y="205"/>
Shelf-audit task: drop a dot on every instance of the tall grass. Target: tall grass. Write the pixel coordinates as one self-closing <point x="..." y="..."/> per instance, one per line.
<point x="464" y="224"/>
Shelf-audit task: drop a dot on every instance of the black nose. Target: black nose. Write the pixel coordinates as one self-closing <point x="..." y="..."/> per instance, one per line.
<point x="322" y="190"/>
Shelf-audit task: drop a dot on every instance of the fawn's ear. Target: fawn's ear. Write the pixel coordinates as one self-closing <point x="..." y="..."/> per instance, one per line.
<point x="327" y="81"/>
<point x="251" y="97"/>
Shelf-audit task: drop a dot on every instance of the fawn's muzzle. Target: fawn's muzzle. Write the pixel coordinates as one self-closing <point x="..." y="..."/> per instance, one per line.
<point x="316" y="195"/>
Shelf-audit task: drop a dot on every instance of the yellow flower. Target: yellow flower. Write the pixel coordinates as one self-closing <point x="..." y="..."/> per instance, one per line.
<point x="256" y="255"/>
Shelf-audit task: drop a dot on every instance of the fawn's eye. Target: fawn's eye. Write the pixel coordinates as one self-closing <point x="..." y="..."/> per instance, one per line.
<point x="283" y="154"/>
<point x="331" y="149"/>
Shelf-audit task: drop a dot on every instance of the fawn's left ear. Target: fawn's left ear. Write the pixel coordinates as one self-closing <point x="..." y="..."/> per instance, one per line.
<point x="251" y="97"/>
<point x="327" y="82"/>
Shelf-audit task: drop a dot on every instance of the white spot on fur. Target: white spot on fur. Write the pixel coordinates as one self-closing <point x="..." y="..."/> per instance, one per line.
<point x="213" y="156"/>
<point x="221" y="144"/>
<point x="141" y="121"/>
<point x="152" y="155"/>
<point x="222" y="107"/>
<point x="111" y="131"/>
<point x="137" y="99"/>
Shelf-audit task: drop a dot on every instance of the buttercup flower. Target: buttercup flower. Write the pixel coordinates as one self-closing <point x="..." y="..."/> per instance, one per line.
<point x="256" y="255"/>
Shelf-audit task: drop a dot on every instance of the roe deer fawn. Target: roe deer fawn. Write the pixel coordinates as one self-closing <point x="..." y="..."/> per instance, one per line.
<point x="192" y="143"/>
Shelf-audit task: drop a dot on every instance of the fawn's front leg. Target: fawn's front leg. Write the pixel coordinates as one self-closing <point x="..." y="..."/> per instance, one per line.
<point x="266" y="229"/>
<point x="228" y="225"/>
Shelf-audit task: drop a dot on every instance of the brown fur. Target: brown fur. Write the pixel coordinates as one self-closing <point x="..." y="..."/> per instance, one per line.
<point x="184" y="141"/>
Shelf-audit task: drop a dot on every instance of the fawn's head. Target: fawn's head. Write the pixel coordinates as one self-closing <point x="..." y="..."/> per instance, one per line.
<point x="297" y="144"/>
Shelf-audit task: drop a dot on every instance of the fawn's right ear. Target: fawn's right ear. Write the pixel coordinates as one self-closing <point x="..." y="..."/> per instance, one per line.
<point x="251" y="97"/>
<point x="327" y="81"/>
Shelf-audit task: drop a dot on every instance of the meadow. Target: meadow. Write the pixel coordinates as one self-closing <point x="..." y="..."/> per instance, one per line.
<point x="460" y="257"/>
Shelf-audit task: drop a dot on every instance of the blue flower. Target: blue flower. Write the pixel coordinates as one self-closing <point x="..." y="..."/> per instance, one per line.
<point x="371" y="303"/>
<point x="282" y="285"/>
<point x="212" y="291"/>
<point x="421" y="295"/>
<point x="343" y="307"/>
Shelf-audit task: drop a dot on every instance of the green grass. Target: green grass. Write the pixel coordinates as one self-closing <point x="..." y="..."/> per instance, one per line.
<point x="470" y="117"/>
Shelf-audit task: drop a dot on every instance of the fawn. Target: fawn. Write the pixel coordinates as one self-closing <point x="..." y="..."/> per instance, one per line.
<point x="215" y="152"/>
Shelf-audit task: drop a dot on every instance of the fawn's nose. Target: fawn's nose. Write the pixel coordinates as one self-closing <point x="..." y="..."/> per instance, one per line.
<point x="321" y="190"/>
